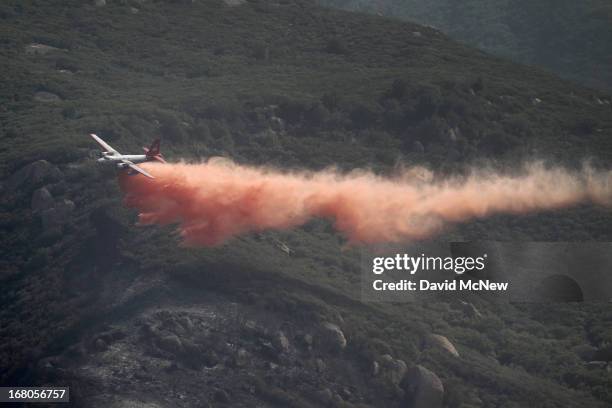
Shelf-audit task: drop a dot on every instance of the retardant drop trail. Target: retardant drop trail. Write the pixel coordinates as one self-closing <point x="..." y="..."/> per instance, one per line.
<point x="214" y="201"/>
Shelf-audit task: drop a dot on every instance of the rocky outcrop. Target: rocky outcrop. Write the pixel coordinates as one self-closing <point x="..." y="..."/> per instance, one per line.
<point x="375" y="368"/>
<point x="280" y="342"/>
<point x="440" y="342"/>
<point x="331" y="337"/>
<point x="241" y="359"/>
<point x="34" y="174"/>
<point x="42" y="200"/>
<point x="305" y="340"/>
<point x="423" y="388"/>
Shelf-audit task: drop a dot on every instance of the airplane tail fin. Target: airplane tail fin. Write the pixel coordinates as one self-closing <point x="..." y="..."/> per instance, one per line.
<point x="153" y="152"/>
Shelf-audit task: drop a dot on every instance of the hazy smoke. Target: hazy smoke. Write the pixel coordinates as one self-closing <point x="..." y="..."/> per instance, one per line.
<point x="217" y="200"/>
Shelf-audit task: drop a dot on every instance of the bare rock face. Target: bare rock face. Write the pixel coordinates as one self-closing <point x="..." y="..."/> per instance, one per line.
<point x="423" y="388"/>
<point x="331" y="337"/>
<point x="442" y="342"/>
<point x="34" y="174"/>
<point x="42" y="200"/>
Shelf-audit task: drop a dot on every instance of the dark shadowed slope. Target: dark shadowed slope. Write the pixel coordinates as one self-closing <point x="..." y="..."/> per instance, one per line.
<point x="571" y="38"/>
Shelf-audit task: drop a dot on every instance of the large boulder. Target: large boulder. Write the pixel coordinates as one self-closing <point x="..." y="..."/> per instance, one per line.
<point x="423" y="388"/>
<point x="331" y="337"/>
<point x="241" y="358"/>
<point x="280" y="342"/>
<point x="33" y="174"/>
<point x="42" y="200"/>
<point x="441" y="342"/>
<point x="170" y="343"/>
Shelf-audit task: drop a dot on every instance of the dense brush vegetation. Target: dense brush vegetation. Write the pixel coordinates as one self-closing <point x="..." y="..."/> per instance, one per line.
<point x="291" y="85"/>
<point x="571" y="38"/>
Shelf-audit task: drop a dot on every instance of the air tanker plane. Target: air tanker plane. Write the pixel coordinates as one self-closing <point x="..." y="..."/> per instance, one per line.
<point x="127" y="161"/>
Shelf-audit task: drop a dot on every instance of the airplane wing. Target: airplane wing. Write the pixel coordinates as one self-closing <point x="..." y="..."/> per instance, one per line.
<point x="138" y="169"/>
<point x="104" y="145"/>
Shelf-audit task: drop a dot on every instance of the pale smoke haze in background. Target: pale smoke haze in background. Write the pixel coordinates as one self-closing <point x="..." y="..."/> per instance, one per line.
<point x="216" y="200"/>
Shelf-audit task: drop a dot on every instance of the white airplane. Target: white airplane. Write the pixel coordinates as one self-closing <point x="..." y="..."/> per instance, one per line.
<point x="127" y="161"/>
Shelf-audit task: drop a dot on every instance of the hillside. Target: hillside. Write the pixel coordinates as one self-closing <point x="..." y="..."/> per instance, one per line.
<point x="126" y="315"/>
<point x="567" y="37"/>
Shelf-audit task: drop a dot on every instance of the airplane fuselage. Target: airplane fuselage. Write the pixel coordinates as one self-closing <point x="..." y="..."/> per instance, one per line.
<point x="119" y="158"/>
<point x="128" y="161"/>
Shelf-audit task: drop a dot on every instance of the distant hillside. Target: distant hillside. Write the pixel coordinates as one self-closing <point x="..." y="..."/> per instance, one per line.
<point x="571" y="38"/>
<point x="125" y="315"/>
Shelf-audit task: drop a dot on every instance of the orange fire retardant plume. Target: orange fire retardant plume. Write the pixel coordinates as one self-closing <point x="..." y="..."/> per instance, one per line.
<point x="216" y="200"/>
